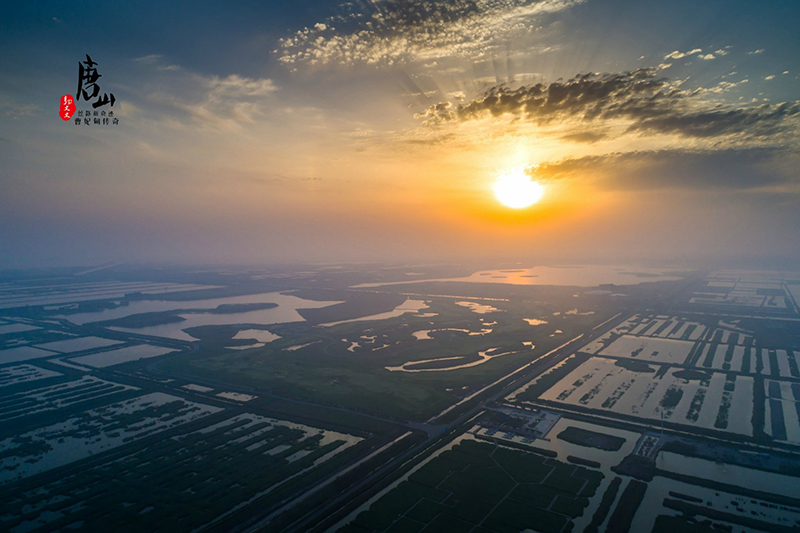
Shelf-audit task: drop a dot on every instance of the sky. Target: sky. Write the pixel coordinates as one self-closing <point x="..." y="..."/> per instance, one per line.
<point x="366" y="130"/>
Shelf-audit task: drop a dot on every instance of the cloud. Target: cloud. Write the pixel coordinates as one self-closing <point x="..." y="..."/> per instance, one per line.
<point x="400" y="31"/>
<point x="148" y="59"/>
<point x="13" y="109"/>
<point x="221" y="103"/>
<point x="732" y="169"/>
<point x="641" y="99"/>
<point x="586" y="95"/>
<point x="584" y="137"/>
<point x="725" y="86"/>
<point x="680" y="55"/>
<point x="235" y="86"/>
<point x="229" y="101"/>
<point x="761" y="121"/>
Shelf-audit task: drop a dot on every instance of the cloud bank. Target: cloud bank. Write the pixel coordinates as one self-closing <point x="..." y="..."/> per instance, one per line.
<point x="646" y="102"/>
<point x="401" y="31"/>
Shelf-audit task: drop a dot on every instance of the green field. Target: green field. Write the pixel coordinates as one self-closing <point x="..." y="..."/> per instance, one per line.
<point x="486" y="487"/>
<point x="327" y="372"/>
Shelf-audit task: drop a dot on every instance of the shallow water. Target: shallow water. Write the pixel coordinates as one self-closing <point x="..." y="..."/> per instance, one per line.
<point x="409" y="306"/>
<point x="659" y="489"/>
<point x="484" y="357"/>
<point x="730" y="474"/>
<point x="534" y="321"/>
<point x="285" y="312"/>
<point x="580" y="276"/>
<point x="78" y="345"/>
<point x="481" y="309"/>
<point x="123" y="355"/>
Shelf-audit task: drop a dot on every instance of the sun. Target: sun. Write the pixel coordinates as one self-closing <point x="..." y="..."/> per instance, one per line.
<point x="515" y="189"/>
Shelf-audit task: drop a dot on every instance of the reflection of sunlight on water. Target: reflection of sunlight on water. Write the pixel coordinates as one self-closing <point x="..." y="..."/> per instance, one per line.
<point x="259" y="335"/>
<point x="484" y="357"/>
<point x="535" y="321"/>
<point x="741" y="476"/>
<point x="285" y="312"/>
<point x="424" y="334"/>
<point x="580" y="276"/>
<point x="409" y="306"/>
<point x="296" y="347"/>
<point x="662" y="488"/>
<point x="475" y="307"/>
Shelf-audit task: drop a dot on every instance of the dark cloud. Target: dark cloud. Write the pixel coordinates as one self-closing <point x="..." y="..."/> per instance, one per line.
<point x="754" y="121"/>
<point x="588" y="96"/>
<point x="584" y="137"/>
<point x="650" y="103"/>
<point x="734" y="169"/>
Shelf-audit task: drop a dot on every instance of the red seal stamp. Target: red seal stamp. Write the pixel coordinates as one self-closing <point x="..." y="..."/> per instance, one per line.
<point x="67" y="108"/>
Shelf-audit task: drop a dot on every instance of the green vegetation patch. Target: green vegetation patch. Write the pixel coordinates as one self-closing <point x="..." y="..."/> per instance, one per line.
<point x="684" y="524"/>
<point x="636" y="466"/>
<point x="691" y="511"/>
<point x="505" y="490"/>
<point x="583" y="462"/>
<point x="591" y="439"/>
<point x="628" y="504"/>
<point x="512" y="516"/>
<point x="671" y="398"/>
<point x="634" y="366"/>
<point x="690" y="375"/>
<point x="605" y="505"/>
<point x="404" y="525"/>
<point x="225" y="309"/>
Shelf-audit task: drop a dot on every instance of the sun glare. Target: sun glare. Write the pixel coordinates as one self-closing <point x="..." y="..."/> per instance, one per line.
<point x="516" y="189"/>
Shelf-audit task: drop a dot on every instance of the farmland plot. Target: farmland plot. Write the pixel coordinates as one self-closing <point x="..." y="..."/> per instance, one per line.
<point x="649" y="349"/>
<point x="12" y="375"/>
<point x="782" y="420"/>
<point x="223" y="465"/>
<point x="122" y="355"/>
<point x="668" y="505"/>
<point x="712" y="401"/>
<point x="477" y="486"/>
<point x="780" y="363"/>
<point x="59" y="396"/>
<point x="726" y="357"/>
<point x="22" y="353"/>
<point x="78" y="345"/>
<point x="94" y="431"/>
